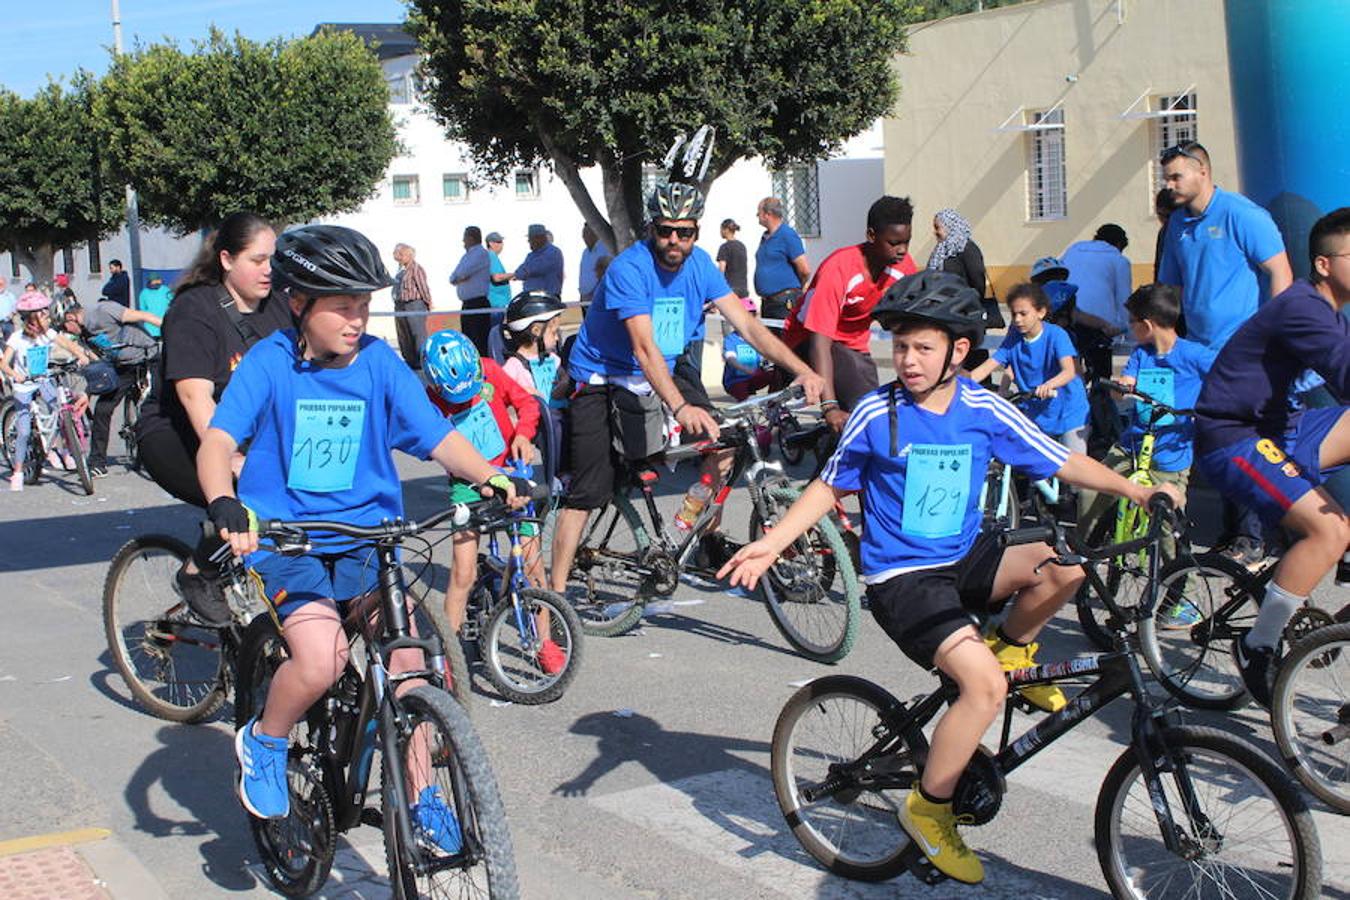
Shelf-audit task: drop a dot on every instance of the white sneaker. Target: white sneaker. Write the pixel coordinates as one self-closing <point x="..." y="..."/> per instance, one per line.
<point x="16" y="481"/>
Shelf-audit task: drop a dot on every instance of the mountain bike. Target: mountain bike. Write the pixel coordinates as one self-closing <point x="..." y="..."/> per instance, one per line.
<point x="131" y="410"/>
<point x="1184" y="811"/>
<point x="812" y="591"/>
<point x="63" y="424"/>
<point x="1310" y="712"/>
<point x="424" y="737"/>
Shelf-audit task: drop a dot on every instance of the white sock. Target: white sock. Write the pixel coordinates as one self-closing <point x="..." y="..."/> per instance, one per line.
<point x="1276" y="609"/>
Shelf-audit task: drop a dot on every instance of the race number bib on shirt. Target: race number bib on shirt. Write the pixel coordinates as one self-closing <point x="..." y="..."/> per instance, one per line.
<point x="668" y="324"/>
<point x="36" y="360"/>
<point x="544" y="371"/>
<point x="326" y="445"/>
<point x="937" y="490"/>
<point x="747" y="356"/>
<point x="479" y="427"/>
<point x="1160" y="384"/>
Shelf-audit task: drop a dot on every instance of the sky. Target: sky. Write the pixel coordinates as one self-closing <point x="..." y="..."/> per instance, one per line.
<point x="37" y="39"/>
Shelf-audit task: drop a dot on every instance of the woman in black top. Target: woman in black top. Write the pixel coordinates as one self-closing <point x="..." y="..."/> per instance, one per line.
<point x="731" y="259"/>
<point x="955" y="251"/>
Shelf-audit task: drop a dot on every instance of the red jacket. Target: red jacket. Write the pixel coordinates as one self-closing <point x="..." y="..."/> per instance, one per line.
<point x="499" y="392"/>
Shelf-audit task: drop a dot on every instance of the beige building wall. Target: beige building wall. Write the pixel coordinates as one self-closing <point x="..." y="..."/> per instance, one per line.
<point x="964" y="76"/>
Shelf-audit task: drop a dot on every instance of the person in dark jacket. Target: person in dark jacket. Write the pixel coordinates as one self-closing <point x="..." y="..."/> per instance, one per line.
<point x="955" y="251"/>
<point x="118" y="286"/>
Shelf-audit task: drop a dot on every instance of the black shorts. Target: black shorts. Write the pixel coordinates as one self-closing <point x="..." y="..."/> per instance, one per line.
<point x="920" y="610"/>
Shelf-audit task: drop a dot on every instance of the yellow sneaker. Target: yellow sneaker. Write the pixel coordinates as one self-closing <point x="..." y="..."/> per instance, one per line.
<point x="1043" y="696"/>
<point x="932" y="826"/>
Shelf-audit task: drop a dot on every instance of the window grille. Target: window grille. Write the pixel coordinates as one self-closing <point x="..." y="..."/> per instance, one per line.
<point x="406" y="190"/>
<point x="799" y="188"/>
<point x="1047" y="176"/>
<point x="1176" y="124"/>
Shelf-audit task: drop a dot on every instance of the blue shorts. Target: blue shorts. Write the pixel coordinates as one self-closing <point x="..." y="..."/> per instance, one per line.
<point x="341" y="576"/>
<point x="1269" y="476"/>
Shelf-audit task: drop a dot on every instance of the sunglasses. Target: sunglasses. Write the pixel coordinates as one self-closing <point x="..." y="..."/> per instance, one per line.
<point x="683" y="232"/>
<point x="1186" y="150"/>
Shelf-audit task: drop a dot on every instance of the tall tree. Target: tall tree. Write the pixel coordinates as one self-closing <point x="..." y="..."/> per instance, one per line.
<point x="52" y="193"/>
<point x="292" y="130"/>
<point x="575" y="83"/>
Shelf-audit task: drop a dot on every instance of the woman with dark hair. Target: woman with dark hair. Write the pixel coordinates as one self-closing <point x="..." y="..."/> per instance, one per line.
<point x="955" y="251"/>
<point x="223" y="304"/>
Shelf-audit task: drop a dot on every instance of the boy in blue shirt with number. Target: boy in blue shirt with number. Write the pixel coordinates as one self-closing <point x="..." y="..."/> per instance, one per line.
<point x="918" y="449"/>
<point x="321" y="408"/>
<point x="743" y="371"/>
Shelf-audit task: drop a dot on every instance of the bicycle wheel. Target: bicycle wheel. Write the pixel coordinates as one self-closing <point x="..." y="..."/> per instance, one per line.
<point x="7" y="431"/>
<point x="1310" y="713"/>
<point x="71" y="436"/>
<point x="815" y="612"/>
<point x="1195" y="663"/>
<point x="791" y="451"/>
<point x="438" y="747"/>
<point x="1246" y="834"/>
<point x="431" y="620"/>
<point x="510" y="656"/>
<point x="36" y="456"/>
<point x="297" y="851"/>
<point x="825" y="725"/>
<point x="169" y="660"/>
<point x="131" y="412"/>
<point x="604" y="586"/>
<point x="1125" y="577"/>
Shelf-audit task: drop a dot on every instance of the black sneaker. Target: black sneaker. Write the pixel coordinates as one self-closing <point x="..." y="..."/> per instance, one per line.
<point x="1258" y="666"/>
<point x="1245" y="551"/>
<point x="98" y="469"/>
<point x="204" y="597"/>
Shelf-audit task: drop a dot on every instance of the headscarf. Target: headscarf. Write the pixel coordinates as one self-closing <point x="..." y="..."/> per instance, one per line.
<point x="958" y="235"/>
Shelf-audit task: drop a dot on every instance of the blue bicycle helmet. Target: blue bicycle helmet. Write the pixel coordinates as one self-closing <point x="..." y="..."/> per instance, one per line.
<point x="451" y="362"/>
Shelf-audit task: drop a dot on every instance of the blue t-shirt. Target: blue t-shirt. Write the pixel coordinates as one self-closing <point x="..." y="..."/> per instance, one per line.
<point x="1034" y="363"/>
<point x="773" y="261"/>
<point x="321" y="439"/>
<point x="735" y="346"/>
<point x="1216" y="259"/>
<point x="499" y="295"/>
<point x="634" y="285"/>
<point x="542" y="270"/>
<point x="922" y="506"/>
<point x="1175" y="379"/>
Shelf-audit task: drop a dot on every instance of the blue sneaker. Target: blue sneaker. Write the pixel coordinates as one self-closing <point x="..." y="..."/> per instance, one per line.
<point x="1181" y="614"/>
<point x="262" y="772"/>
<point x="436" y="821"/>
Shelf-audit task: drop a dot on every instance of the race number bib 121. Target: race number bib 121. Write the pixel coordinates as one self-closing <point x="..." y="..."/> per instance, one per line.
<point x="326" y="445"/>
<point x="668" y="323"/>
<point x="937" y="490"/>
<point x="36" y="359"/>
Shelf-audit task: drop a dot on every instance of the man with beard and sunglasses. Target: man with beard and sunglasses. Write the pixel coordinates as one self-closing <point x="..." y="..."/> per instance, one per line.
<point x="623" y="363"/>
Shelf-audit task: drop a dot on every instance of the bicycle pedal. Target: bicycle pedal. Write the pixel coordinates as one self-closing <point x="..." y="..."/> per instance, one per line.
<point x="372" y="817"/>
<point x="920" y="866"/>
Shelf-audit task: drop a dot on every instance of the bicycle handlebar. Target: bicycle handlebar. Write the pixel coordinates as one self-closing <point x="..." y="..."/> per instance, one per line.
<point x="782" y="398"/>
<point x="1128" y="391"/>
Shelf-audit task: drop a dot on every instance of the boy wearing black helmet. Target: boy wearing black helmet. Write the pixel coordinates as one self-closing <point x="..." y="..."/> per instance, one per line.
<point x="321" y="406"/>
<point x="917" y="449"/>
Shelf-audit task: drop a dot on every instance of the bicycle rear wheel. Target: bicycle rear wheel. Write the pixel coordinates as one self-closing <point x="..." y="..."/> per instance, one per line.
<point x="604" y="586"/>
<point x="812" y="591"/>
<point x="75" y="447"/>
<point x="1310" y="713"/>
<point x="131" y="412"/>
<point x="852" y="828"/>
<point x="1247" y="833"/>
<point x="1194" y="663"/>
<point x="446" y="753"/>
<point x="511" y="658"/>
<point x="170" y="661"/>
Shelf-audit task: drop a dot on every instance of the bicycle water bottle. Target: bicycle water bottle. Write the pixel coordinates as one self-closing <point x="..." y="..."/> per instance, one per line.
<point x="697" y="497"/>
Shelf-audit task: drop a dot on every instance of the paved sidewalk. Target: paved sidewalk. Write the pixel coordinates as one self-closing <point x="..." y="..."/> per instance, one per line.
<point x="88" y="864"/>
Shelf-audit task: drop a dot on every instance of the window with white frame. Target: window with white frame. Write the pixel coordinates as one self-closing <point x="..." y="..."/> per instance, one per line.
<point x="406" y="190"/>
<point x="799" y="188"/>
<point x="455" y="187"/>
<point x="1047" y="174"/>
<point x="527" y="184"/>
<point x="1174" y="122"/>
<point x="653" y="177"/>
<point x="400" y="88"/>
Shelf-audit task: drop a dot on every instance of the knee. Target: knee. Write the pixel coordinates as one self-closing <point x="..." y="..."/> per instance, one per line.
<point x="986" y="692"/>
<point x="1332" y="532"/>
<point x="462" y="577"/>
<point x="318" y="673"/>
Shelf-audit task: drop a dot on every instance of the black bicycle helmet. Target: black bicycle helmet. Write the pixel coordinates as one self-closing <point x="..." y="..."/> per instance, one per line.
<point x="529" y="307"/>
<point x="675" y="200"/>
<point x="320" y="260"/>
<point x="939" y="298"/>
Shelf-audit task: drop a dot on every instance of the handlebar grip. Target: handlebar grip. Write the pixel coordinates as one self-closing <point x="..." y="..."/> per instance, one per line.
<point x="1161" y="504"/>
<point x="1034" y="534"/>
<point x="539" y="491"/>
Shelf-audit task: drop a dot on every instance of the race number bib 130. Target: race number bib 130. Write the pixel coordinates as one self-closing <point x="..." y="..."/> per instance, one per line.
<point x="479" y="427"/>
<point x="1160" y="384"/>
<point x="937" y="490"/>
<point x="668" y="323"/>
<point x="326" y="445"/>
<point x="36" y="360"/>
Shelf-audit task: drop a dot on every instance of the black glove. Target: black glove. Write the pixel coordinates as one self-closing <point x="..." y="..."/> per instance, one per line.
<point x="229" y="515"/>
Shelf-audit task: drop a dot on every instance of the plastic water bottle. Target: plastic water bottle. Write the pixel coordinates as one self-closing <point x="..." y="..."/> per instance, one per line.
<point x="697" y="497"/>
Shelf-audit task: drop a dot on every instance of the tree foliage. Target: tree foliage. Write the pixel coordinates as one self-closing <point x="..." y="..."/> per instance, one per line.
<point x="292" y="130"/>
<point x="573" y="83"/>
<point x="52" y="194"/>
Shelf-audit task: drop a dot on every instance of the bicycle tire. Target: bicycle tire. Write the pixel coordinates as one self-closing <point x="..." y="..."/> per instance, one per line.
<point x="1211" y="762"/>
<point x="1195" y="664"/>
<point x="467" y="782"/>
<point x="603" y="587"/>
<point x="855" y="832"/>
<point x="160" y="644"/>
<point x="804" y="605"/>
<point x="76" y="451"/>
<point x="7" y="425"/>
<point x="514" y="670"/>
<point x="1119" y="580"/>
<point x="131" y="413"/>
<point x="430" y="619"/>
<point x="1310" y="714"/>
<point x="792" y="454"/>
<point x="297" y="851"/>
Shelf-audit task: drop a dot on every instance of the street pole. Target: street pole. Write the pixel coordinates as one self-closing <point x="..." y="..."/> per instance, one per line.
<point x="133" y="205"/>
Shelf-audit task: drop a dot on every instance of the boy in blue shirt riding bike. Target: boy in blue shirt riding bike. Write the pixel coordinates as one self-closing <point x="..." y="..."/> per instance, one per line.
<point x="321" y="407"/>
<point x="918" y="450"/>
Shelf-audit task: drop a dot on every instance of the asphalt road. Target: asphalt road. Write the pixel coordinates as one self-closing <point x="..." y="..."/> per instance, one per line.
<point x="649" y="778"/>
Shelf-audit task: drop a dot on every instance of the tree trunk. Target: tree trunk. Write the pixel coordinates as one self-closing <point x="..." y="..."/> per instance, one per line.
<point x="622" y="199"/>
<point x="38" y="260"/>
<point x="566" y="168"/>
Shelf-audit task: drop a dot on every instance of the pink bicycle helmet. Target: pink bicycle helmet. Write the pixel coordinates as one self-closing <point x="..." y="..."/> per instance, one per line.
<point x="33" y="301"/>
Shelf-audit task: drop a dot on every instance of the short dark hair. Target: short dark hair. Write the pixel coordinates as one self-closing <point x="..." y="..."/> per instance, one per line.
<point x="1114" y="235"/>
<point x="475" y="233"/>
<point x="1156" y="303"/>
<point x="888" y="211"/>
<point x="1029" y="290"/>
<point x="1322" y="238"/>
<point x="116" y="262"/>
<point x="1164" y="202"/>
<point x="1192" y="150"/>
